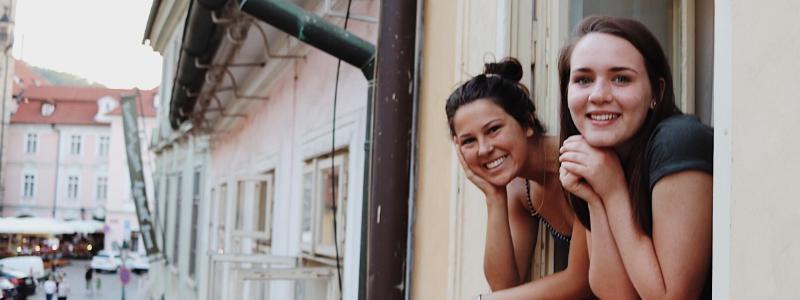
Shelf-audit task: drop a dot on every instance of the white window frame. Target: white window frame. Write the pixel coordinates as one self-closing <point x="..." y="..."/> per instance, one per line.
<point x="103" y="145"/>
<point x="315" y="166"/>
<point x="73" y="193"/>
<point x="48" y="109"/>
<point x="101" y="191"/>
<point x="31" y="143"/>
<point x="196" y="197"/>
<point x="75" y="143"/>
<point x="28" y="191"/>
<point x="247" y="213"/>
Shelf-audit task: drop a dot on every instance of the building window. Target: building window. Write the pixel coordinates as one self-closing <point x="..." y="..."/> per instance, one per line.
<point x="48" y="109"/>
<point x="176" y="239"/>
<point x="29" y="185"/>
<point x="263" y="213"/>
<point x="72" y="187"/>
<point x="31" y="143"/>
<point x="324" y="183"/>
<point x="102" y="189"/>
<point x="102" y="146"/>
<point x="196" y="190"/>
<point x="75" y="144"/>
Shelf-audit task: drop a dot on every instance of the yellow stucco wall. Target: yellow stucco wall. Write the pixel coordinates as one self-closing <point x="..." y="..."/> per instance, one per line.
<point x="765" y="208"/>
<point x="429" y="280"/>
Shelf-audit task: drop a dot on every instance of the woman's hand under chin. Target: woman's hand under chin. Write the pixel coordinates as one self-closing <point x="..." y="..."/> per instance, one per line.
<point x="585" y="167"/>
<point x="490" y="190"/>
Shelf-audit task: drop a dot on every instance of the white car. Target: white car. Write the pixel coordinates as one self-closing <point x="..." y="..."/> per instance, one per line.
<point x="106" y="261"/>
<point x="137" y="263"/>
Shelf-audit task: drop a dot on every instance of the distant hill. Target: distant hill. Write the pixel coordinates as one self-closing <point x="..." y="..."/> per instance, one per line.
<point x="62" y="78"/>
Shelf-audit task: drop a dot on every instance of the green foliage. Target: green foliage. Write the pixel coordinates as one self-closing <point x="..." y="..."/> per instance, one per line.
<point x="65" y="79"/>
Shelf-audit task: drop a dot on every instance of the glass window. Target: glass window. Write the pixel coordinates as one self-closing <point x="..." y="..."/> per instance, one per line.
<point x="72" y="187"/>
<point x="102" y="145"/>
<point x="177" y="239"/>
<point x="196" y="189"/>
<point x="31" y="143"/>
<point x="324" y="199"/>
<point x="102" y="189"/>
<point x="29" y="185"/>
<point x="75" y="144"/>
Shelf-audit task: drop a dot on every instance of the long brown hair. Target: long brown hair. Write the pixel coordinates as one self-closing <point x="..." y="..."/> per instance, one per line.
<point x="636" y="165"/>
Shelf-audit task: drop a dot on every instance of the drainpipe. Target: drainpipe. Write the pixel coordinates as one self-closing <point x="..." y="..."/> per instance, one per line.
<point x="315" y="31"/>
<point x="58" y="167"/>
<point x="391" y="155"/>
<point x="412" y="177"/>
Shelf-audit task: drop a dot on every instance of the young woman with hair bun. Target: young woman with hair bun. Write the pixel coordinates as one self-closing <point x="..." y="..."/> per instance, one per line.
<point x="503" y="150"/>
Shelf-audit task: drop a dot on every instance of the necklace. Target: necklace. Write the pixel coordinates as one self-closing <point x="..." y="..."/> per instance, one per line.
<point x="533" y="211"/>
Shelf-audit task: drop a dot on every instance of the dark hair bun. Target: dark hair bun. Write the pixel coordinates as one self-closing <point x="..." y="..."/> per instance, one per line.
<point x="508" y="68"/>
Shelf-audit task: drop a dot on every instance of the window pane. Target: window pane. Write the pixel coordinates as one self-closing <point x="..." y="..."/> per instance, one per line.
<point x="657" y="15"/>
<point x="329" y="188"/>
<point x="305" y="229"/>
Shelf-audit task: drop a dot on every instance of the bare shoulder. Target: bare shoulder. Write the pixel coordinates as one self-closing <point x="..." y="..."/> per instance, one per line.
<point x="516" y="192"/>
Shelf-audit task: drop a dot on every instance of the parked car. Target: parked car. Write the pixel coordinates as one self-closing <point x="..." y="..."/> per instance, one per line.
<point x="106" y="261"/>
<point x="31" y="265"/>
<point x="25" y="284"/>
<point x="7" y="289"/>
<point x="137" y="263"/>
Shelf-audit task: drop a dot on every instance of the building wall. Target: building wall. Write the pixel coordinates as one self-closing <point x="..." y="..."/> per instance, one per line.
<point x="294" y="125"/>
<point x="86" y="166"/>
<point x="762" y="161"/>
<point x="432" y="226"/>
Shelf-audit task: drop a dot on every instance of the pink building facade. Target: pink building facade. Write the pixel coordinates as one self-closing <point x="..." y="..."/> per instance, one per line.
<point x="65" y="158"/>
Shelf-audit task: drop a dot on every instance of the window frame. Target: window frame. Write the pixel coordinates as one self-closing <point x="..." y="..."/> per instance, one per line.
<point x="31" y="144"/>
<point x="73" y="194"/>
<point x="25" y="188"/>
<point x="101" y="198"/>
<point x="103" y="145"/>
<point x="197" y="190"/>
<point x="75" y="143"/>
<point x="261" y="239"/>
<point x="316" y="167"/>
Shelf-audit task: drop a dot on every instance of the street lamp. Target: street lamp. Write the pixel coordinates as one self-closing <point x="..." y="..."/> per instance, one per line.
<point x="6" y="41"/>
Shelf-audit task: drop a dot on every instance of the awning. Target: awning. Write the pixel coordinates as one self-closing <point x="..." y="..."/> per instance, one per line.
<point x="48" y="226"/>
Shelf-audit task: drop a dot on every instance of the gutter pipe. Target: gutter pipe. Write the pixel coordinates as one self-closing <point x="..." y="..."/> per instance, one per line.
<point x="201" y="39"/>
<point x="390" y="186"/>
<point x="315" y="31"/>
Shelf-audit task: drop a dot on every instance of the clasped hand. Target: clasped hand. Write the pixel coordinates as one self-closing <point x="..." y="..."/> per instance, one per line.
<point x="589" y="172"/>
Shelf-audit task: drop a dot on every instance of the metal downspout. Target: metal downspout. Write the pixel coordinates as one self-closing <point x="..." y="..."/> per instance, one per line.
<point x="412" y="177"/>
<point x="315" y="31"/>
<point x="391" y="137"/>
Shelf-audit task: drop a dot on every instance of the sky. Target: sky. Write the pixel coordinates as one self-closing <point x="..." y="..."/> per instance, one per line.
<point x="100" y="40"/>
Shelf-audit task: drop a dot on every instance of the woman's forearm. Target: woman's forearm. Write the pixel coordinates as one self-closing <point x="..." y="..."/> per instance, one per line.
<point x="635" y="248"/>
<point x="606" y="272"/>
<point x="499" y="264"/>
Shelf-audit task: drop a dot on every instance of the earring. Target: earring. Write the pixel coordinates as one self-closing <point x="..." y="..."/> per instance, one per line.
<point x="653" y="104"/>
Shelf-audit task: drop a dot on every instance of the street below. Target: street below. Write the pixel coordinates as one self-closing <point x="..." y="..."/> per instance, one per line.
<point x="110" y="285"/>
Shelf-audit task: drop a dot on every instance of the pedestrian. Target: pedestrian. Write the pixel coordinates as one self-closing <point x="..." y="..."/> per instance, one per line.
<point x="63" y="289"/>
<point x="99" y="284"/>
<point x="88" y="276"/>
<point x="49" y="288"/>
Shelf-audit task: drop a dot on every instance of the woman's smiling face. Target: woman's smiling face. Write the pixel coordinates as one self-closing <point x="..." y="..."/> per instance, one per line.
<point x="609" y="91"/>
<point x="493" y="144"/>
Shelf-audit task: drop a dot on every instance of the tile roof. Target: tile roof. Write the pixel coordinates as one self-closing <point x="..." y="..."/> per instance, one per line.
<point x="66" y="112"/>
<point x="25" y="76"/>
<point x="74" y="105"/>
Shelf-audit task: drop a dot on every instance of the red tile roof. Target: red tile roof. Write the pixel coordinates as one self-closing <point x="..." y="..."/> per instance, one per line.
<point x="73" y="105"/>
<point x="26" y="76"/>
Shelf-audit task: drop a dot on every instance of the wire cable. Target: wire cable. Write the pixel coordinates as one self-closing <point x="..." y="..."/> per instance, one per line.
<point x="335" y="183"/>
